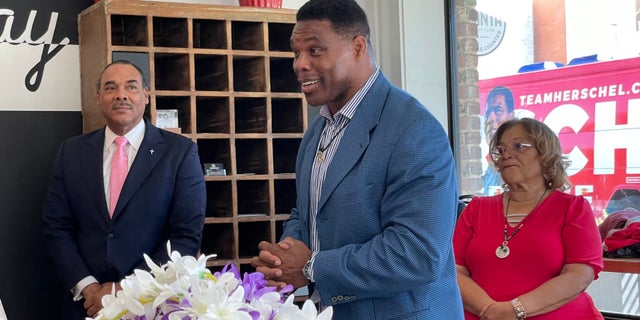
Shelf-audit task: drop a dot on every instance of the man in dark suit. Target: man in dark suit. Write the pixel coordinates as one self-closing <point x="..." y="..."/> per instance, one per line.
<point x="96" y="238"/>
<point x="375" y="181"/>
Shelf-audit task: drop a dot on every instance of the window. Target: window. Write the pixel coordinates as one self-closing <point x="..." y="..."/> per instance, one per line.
<point x="573" y="64"/>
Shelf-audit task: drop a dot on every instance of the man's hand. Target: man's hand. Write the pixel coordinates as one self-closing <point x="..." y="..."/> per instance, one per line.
<point x="282" y="263"/>
<point x="293" y="259"/>
<point x="93" y="294"/>
<point x="92" y="299"/>
<point x="268" y="264"/>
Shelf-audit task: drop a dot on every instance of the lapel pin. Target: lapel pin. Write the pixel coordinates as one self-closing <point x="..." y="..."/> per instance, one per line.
<point x="151" y="151"/>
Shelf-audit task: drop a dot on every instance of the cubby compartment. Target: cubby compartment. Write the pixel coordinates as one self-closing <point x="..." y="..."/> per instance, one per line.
<point x="255" y="198"/>
<point x="212" y="115"/>
<point x="140" y="59"/>
<point x="211" y="72"/>
<point x="283" y="79"/>
<point x="279" y="229"/>
<point x="170" y="32"/>
<point x="219" y="238"/>
<point x="285" y="195"/>
<point x="279" y="35"/>
<point x="250" y="115"/>
<point x="246" y="268"/>
<point x="284" y="155"/>
<point x="129" y="30"/>
<point x="219" y="199"/>
<point x="215" y="151"/>
<point x="251" y="156"/>
<point x="247" y="35"/>
<point x="172" y="71"/>
<point x="250" y="234"/>
<point x="287" y="115"/>
<point x="182" y="104"/>
<point x="209" y="34"/>
<point x="249" y="74"/>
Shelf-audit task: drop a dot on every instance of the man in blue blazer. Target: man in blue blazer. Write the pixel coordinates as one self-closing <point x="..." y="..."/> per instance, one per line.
<point x="95" y="245"/>
<point x="375" y="181"/>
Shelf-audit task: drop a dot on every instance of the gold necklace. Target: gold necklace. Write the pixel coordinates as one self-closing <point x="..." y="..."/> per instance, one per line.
<point x="503" y="249"/>
<point x="321" y="149"/>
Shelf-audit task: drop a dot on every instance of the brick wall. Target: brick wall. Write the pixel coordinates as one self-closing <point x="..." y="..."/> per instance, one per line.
<point x="470" y="121"/>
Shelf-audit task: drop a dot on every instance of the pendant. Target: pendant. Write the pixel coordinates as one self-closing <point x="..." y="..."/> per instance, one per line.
<point x="502" y="251"/>
<point x="320" y="156"/>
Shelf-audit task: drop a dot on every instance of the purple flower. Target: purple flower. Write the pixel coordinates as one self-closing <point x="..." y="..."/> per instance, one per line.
<point x="229" y="267"/>
<point x="255" y="286"/>
<point x="185" y="289"/>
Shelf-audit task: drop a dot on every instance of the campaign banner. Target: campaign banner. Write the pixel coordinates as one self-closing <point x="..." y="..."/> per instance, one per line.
<point x="595" y="110"/>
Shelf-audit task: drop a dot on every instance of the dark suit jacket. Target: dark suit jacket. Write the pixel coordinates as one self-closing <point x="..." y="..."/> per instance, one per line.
<point x="163" y="198"/>
<point x="386" y="214"/>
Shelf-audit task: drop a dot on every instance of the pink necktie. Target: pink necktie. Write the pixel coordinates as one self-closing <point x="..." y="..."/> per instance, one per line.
<point x="119" y="169"/>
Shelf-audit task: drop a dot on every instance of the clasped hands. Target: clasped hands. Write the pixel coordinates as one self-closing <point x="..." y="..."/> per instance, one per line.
<point x="282" y="263"/>
<point x="93" y="294"/>
<point x="498" y="311"/>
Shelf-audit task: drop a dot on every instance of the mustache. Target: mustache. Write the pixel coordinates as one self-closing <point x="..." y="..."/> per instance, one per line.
<point x="121" y="104"/>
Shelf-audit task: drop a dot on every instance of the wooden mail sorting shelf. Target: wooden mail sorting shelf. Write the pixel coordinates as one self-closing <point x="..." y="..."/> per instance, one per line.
<point x="227" y="70"/>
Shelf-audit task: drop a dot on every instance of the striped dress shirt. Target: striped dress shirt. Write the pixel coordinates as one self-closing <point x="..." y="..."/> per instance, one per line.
<point x="331" y="135"/>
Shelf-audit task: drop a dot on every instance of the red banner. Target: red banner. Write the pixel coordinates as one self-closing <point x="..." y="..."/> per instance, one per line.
<point x="595" y="110"/>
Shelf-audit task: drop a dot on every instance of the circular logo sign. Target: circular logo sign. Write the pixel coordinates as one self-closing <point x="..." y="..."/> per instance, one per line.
<point x="490" y="33"/>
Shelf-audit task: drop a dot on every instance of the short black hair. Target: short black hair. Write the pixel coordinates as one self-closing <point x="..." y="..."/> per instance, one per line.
<point x="127" y="62"/>
<point x="347" y="18"/>
<point x="500" y="91"/>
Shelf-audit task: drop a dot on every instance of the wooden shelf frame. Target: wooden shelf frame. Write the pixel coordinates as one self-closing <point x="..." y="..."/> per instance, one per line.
<point x="227" y="70"/>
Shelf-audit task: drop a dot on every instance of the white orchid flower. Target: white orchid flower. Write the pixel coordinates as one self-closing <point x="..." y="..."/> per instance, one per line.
<point x="289" y="311"/>
<point x="184" y="288"/>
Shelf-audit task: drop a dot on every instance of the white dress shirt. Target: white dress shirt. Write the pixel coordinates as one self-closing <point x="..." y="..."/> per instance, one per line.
<point x="134" y="136"/>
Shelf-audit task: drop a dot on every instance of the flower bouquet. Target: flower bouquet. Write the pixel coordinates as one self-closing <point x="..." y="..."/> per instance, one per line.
<point x="184" y="289"/>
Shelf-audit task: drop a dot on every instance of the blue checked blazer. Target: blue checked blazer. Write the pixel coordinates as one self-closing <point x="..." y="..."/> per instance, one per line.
<point x="386" y="213"/>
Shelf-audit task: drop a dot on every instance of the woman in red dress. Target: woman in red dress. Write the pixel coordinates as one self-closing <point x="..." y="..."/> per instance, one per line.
<point x="532" y="251"/>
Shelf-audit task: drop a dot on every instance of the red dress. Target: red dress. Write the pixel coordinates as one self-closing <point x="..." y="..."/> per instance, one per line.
<point x="561" y="230"/>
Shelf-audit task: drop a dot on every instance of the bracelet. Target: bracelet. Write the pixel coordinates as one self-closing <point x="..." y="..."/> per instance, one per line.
<point x="521" y="314"/>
